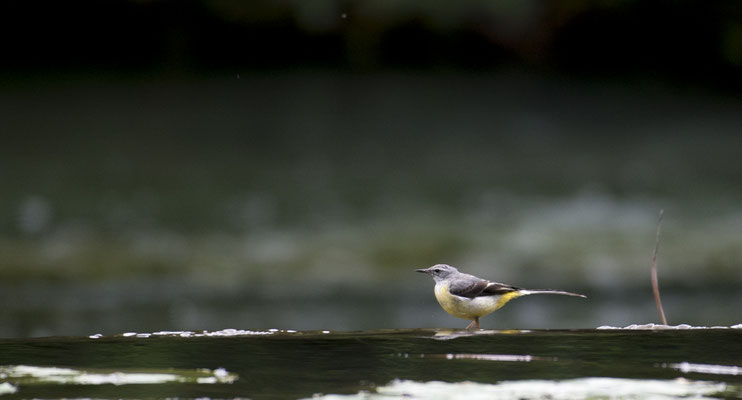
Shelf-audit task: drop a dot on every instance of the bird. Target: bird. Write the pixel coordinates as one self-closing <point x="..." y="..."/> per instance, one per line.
<point x="470" y="297"/>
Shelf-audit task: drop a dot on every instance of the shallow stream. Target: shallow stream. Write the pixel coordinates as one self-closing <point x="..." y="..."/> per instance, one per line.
<point x="410" y="363"/>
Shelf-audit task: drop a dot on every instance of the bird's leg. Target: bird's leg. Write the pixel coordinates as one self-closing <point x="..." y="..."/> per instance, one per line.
<point x="474" y="323"/>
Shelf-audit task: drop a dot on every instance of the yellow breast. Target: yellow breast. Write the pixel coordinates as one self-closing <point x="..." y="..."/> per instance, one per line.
<point x="466" y="308"/>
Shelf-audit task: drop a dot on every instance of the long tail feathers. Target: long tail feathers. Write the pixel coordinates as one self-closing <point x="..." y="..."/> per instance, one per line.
<point x="549" y="291"/>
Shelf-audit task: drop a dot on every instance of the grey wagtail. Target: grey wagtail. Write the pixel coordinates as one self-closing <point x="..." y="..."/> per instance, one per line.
<point x="468" y="297"/>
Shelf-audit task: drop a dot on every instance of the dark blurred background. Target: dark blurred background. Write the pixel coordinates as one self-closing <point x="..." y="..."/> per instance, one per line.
<point x="171" y="165"/>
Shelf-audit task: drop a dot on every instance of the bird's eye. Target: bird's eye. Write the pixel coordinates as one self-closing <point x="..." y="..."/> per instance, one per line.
<point x="437" y="270"/>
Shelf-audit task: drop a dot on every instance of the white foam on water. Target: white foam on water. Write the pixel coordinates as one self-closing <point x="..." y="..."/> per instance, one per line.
<point x="491" y="357"/>
<point x="479" y="357"/>
<point x="230" y="332"/>
<point x="582" y="388"/>
<point x="39" y="372"/>
<point x="29" y="374"/>
<point x="687" y="367"/>
<point x="7" y="388"/>
<point x="652" y="326"/>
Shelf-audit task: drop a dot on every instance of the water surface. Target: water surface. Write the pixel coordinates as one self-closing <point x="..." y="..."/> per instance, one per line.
<point x="289" y="364"/>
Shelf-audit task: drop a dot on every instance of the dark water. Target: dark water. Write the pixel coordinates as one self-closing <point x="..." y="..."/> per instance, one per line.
<point x="288" y="364"/>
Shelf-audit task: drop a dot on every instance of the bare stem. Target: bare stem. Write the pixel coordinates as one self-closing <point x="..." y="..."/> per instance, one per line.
<point x="655" y="285"/>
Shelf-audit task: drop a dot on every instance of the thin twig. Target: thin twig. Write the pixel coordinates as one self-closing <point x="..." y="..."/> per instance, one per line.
<point x="655" y="285"/>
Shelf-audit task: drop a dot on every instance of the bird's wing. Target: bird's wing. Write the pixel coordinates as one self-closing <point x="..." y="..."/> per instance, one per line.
<point x="494" y="289"/>
<point x="476" y="287"/>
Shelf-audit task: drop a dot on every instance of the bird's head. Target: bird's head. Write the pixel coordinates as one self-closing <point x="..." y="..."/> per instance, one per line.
<point x="439" y="272"/>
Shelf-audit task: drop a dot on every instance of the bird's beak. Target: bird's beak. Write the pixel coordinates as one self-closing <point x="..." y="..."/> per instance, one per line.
<point x="423" y="270"/>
